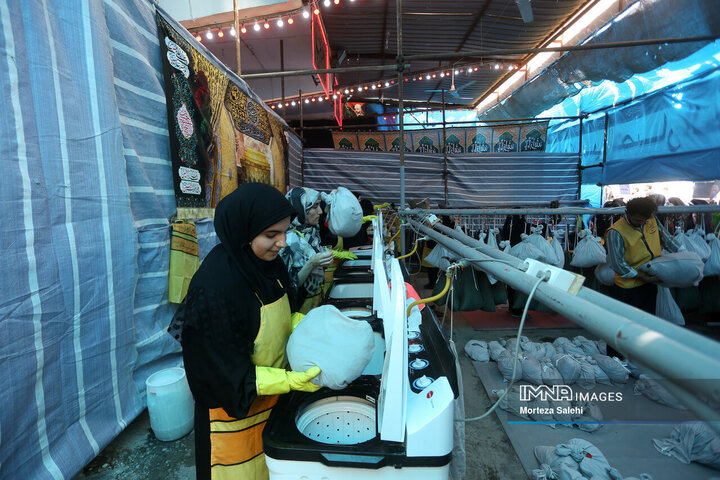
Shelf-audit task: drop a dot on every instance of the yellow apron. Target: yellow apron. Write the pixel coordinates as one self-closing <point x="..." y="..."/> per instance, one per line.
<point x="312" y="302"/>
<point x="640" y="247"/>
<point x="236" y="448"/>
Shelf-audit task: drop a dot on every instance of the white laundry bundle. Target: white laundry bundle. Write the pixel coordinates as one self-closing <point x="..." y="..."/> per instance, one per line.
<point x="588" y="252"/>
<point x="605" y="274"/>
<point x="680" y="269"/>
<point x="525" y="249"/>
<point x="492" y="238"/>
<point x="712" y="264"/>
<point x="440" y="257"/>
<point x="477" y="350"/>
<point x="505" y="246"/>
<point x="692" y="442"/>
<point x="696" y="239"/>
<point x="667" y="308"/>
<point x="557" y="248"/>
<point x="345" y="217"/>
<point x="341" y="346"/>
<point x="616" y="371"/>
<point x="567" y="366"/>
<point x="650" y="387"/>
<point x="541" y="243"/>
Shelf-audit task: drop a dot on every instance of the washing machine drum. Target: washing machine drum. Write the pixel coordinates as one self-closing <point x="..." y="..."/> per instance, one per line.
<point x="343" y="420"/>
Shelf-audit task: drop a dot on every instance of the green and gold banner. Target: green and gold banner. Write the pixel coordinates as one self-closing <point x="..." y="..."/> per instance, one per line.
<point x="529" y="137"/>
<point x="219" y="136"/>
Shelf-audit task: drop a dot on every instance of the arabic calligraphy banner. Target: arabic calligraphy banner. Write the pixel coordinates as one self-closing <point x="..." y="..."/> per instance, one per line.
<point x="530" y="137"/>
<point x="219" y="136"/>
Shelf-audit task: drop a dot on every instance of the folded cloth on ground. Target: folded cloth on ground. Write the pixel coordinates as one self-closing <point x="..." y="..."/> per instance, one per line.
<point x="341" y="346"/>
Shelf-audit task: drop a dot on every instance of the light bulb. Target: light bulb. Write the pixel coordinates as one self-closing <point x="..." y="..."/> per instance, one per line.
<point x="307" y="101"/>
<point x="209" y="35"/>
<point x="316" y="11"/>
<point x="306" y="14"/>
<point x="233" y="32"/>
<point x="256" y="27"/>
<point x="280" y="22"/>
<point x="221" y="34"/>
<point x="198" y="38"/>
<point x="266" y="25"/>
<point x="243" y="29"/>
<point x="290" y="21"/>
<point x="292" y="103"/>
<point x="326" y="3"/>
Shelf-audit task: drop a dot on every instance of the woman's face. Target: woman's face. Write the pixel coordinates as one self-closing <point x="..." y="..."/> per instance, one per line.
<point x="270" y="241"/>
<point x="313" y="215"/>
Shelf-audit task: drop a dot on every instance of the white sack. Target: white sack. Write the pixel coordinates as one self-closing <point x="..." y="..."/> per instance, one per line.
<point x="495" y="349"/>
<point x="712" y="264"/>
<point x="588" y="252"/>
<point x="541" y="243"/>
<point x="666" y="307"/>
<point x="612" y="367"/>
<point x="588" y="347"/>
<point x="605" y="274"/>
<point x="340" y="346"/>
<point x="345" y="217"/>
<point x="696" y="238"/>
<point x="692" y="442"/>
<point x="558" y="250"/>
<point x="680" y="269"/>
<point x="477" y="350"/>
<point x="492" y="238"/>
<point x="438" y="257"/>
<point x="568" y="367"/>
<point x="649" y="387"/>
<point x="525" y="249"/>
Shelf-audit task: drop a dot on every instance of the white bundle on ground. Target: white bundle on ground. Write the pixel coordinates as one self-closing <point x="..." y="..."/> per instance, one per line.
<point x="505" y="362"/>
<point x="600" y="376"/>
<point x="696" y="238"/>
<point x="550" y="374"/>
<point x="535" y="349"/>
<point x="616" y="371"/>
<point x="511" y="402"/>
<point x="541" y="243"/>
<point x="712" y="264"/>
<point x="586" y="379"/>
<point x="564" y="345"/>
<point x="557" y="466"/>
<point x="340" y="346"/>
<point x="591" y="417"/>
<point x="495" y="349"/>
<point x="667" y="308"/>
<point x="680" y="269"/>
<point x="477" y="350"/>
<point x="567" y="366"/>
<point x="605" y="274"/>
<point x="525" y="249"/>
<point x="591" y="460"/>
<point x="692" y="442"/>
<point x="345" y="217"/>
<point x="588" y="252"/>
<point x="531" y="369"/>
<point x="587" y="346"/>
<point x="649" y="387"/>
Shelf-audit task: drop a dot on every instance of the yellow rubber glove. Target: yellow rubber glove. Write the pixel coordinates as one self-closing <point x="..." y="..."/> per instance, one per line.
<point x="273" y="381"/>
<point x="369" y="218"/>
<point x="344" y="255"/>
<point x="382" y="205"/>
<point x="295" y="319"/>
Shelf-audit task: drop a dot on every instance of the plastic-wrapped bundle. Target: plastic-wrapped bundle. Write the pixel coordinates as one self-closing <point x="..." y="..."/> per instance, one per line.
<point x="586" y="379"/>
<point x="649" y="387"/>
<point x="531" y="369"/>
<point x="692" y="442"/>
<point x="680" y="269"/>
<point x="568" y="366"/>
<point x="588" y="347"/>
<point x="550" y="374"/>
<point x="667" y="308"/>
<point x="477" y="350"/>
<point x="712" y="264"/>
<point x="601" y="346"/>
<point x="525" y="250"/>
<point x="345" y="217"/>
<point x="696" y="238"/>
<point x="612" y="367"/>
<point x="605" y="274"/>
<point x="541" y="243"/>
<point x="564" y="345"/>
<point x="588" y="252"/>
<point x="495" y="349"/>
<point x="510" y="343"/>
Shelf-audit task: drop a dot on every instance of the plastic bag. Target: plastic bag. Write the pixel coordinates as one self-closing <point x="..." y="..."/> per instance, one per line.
<point x="712" y="264"/>
<point x="605" y="274"/>
<point x="680" y="269"/>
<point x="340" y="346"/>
<point x="666" y="307"/>
<point x="550" y="374"/>
<point x="531" y="369"/>
<point x="588" y="252"/>
<point x="505" y="362"/>
<point x="495" y="349"/>
<point x="345" y="217"/>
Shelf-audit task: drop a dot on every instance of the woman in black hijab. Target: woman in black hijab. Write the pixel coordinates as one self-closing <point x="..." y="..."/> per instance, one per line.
<point x="234" y="368"/>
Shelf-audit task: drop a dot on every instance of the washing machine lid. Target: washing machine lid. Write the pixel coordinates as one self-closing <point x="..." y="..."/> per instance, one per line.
<point x="392" y="400"/>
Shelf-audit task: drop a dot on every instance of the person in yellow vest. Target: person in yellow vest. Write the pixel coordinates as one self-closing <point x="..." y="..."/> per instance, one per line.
<point x="304" y="257"/>
<point x="633" y="240"/>
<point x="235" y="324"/>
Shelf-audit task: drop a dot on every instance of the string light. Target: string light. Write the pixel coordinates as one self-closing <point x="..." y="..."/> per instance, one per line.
<point x="320" y="99"/>
<point x="233" y="32"/>
<point x="198" y="38"/>
<point x="374" y="87"/>
<point x="387" y="84"/>
<point x="266" y="25"/>
<point x="290" y="21"/>
<point x="312" y="99"/>
<point x="316" y="11"/>
<point x="307" y="101"/>
<point x="326" y="3"/>
<point x="497" y="66"/>
<point x="256" y="27"/>
<point x="305" y="13"/>
<point x="243" y="29"/>
<point x="347" y="91"/>
<point x="209" y="35"/>
<point x="221" y="34"/>
<point x="336" y="2"/>
<point x="335" y="97"/>
<point x="279" y="23"/>
<point x="293" y="103"/>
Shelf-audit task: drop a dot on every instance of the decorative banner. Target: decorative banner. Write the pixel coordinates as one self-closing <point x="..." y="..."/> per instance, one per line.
<point x="371" y="142"/>
<point x="392" y="142"/>
<point x="532" y="137"/>
<point x="479" y="139"/>
<point x="505" y="138"/>
<point x="455" y="140"/>
<point x="345" y="140"/>
<point x="219" y="135"/>
<point x="354" y="110"/>
<point x="426" y="141"/>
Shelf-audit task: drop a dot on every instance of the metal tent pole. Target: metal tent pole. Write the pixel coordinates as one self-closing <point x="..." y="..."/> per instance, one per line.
<point x="400" y="67"/>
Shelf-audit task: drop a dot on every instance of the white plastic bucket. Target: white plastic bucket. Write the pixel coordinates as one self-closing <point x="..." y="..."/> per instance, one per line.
<point x="170" y="404"/>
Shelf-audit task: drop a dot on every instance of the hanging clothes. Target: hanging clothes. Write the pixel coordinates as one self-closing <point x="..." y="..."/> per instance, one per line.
<point x="233" y="293"/>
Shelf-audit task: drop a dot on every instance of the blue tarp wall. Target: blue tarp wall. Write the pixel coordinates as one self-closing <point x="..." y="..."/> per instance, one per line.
<point x="666" y="128"/>
<point x="87" y="196"/>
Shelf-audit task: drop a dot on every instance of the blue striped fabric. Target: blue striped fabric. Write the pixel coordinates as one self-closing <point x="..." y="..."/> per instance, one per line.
<point x="473" y="180"/>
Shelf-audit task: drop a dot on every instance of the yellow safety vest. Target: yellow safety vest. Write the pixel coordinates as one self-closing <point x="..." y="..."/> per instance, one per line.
<point x="236" y="447"/>
<point x="640" y="247"/>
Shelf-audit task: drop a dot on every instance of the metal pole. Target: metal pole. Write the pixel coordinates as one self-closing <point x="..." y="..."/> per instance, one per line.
<point x="557" y="211"/>
<point x="236" y="23"/>
<point x="295" y="73"/>
<point x="672" y="358"/>
<point x="445" y="156"/>
<point x="401" y="67"/>
<point x="509" y="120"/>
<point x="580" y="153"/>
<point x="302" y="140"/>
<point x="282" y="79"/>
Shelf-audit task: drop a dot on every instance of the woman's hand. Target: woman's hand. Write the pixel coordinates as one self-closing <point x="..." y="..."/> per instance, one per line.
<point x="322" y="259"/>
